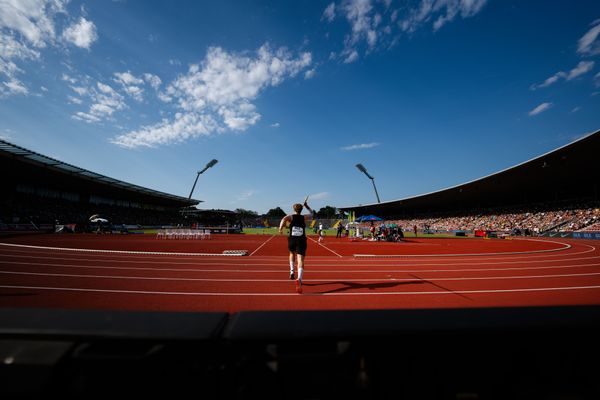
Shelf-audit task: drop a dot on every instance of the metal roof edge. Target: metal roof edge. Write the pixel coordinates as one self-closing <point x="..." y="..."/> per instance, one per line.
<point x="585" y="136"/>
<point x="99" y="178"/>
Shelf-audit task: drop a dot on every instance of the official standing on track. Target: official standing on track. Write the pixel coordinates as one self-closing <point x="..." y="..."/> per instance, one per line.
<point x="296" y="240"/>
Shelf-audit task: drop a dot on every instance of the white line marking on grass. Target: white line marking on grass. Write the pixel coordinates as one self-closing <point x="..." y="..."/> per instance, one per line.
<point x="259" y="247"/>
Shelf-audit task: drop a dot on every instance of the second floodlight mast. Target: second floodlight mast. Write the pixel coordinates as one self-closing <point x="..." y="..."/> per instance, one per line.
<point x="362" y="169"/>
<point x="210" y="164"/>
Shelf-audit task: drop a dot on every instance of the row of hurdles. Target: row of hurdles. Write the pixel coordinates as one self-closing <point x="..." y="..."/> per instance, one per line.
<point x="183" y="234"/>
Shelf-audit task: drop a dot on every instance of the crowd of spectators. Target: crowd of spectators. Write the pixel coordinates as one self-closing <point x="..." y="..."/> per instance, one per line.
<point x="536" y="220"/>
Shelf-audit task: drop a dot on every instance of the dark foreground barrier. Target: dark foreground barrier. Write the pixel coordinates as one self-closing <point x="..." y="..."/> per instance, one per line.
<point x="548" y="352"/>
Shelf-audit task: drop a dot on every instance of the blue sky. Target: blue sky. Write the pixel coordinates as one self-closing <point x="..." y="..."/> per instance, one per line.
<point x="289" y="96"/>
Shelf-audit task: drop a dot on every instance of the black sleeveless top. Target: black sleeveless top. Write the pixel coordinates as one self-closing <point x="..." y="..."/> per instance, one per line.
<point x="297" y="226"/>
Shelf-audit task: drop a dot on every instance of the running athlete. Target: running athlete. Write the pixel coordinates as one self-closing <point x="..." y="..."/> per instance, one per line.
<point x="296" y="240"/>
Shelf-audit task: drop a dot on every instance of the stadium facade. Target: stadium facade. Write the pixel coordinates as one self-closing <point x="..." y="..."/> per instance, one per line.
<point x="567" y="174"/>
<point x="27" y="173"/>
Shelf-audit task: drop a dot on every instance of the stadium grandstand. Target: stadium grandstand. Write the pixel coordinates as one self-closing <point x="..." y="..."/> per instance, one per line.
<point x="41" y="192"/>
<point x="558" y="191"/>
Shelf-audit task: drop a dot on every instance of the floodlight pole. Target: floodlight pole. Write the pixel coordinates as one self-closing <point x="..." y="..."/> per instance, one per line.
<point x="374" y="187"/>
<point x="209" y="165"/>
<point x="362" y="169"/>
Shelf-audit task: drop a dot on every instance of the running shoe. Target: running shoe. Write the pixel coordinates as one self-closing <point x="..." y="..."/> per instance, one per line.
<point x="298" y="287"/>
<point x="292" y="277"/>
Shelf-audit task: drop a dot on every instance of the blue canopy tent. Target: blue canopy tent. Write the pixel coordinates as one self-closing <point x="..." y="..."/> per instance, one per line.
<point x="366" y="218"/>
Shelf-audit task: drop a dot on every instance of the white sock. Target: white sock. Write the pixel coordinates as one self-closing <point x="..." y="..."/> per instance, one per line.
<point x="300" y="271"/>
<point x="291" y="267"/>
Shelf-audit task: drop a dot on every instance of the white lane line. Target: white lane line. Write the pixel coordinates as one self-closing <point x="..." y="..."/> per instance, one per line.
<point x="565" y="247"/>
<point x="316" y="271"/>
<point x="162" y="253"/>
<point x="305" y="280"/>
<point x="259" y="247"/>
<point x="128" y="257"/>
<point x="322" y="245"/>
<point x="146" y="292"/>
<point x="254" y="262"/>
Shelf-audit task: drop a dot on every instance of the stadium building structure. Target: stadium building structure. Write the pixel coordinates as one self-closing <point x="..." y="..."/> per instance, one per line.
<point x="568" y="174"/>
<point x="32" y="177"/>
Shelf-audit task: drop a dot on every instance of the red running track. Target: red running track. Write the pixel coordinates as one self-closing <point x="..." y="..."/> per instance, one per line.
<point x="139" y="272"/>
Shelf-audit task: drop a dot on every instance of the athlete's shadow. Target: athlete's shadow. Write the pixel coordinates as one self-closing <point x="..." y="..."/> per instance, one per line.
<point x="371" y="286"/>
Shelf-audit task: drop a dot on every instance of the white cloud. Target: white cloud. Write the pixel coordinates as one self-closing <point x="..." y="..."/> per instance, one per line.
<point x="446" y="11"/>
<point x="359" y="15"/>
<point x="126" y="79"/>
<point x="105" y="101"/>
<point x="81" y="34"/>
<point x="351" y="57"/>
<point x="43" y="88"/>
<point x="361" y="146"/>
<point x="320" y="196"/>
<point x="368" y="30"/>
<point x="80" y="90"/>
<point x="86" y="117"/>
<point x="13" y="86"/>
<point x="33" y="20"/>
<point x="245" y="195"/>
<point x="153" y="80"/>
<point x="589" y="44"/>
<point x="582" y="68"/>
<point x="417" y="16"/>
<point x="309" y="74"/>
<point x="74" y="100"/>
<point x="26" y="28"/>
<point x="182" y="128"/>
<point x="540" y="109"/>
<point x="129" y="84"/>
<point x="216" y="95"/>
<point x="597" y="79"/>
<point x="12" y="50"/>
<point x="275" y="125"/>
<point x="329" y="13"/>
<point x="466" y="9"/>
<point x="574" y="110"/>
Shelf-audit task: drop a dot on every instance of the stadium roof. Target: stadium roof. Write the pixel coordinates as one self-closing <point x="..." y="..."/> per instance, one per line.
<point x="570" y="173"/>
<point x="25" y="156"/>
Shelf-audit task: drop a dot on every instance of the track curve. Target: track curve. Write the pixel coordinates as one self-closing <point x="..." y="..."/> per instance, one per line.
<point x="143" y="273"/>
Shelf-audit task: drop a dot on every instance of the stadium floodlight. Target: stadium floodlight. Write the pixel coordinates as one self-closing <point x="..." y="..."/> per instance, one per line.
<point x="210" y="164"/>
<point x="362" y="169"/>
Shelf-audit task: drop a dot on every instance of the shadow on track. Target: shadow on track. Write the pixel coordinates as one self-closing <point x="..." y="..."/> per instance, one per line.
<point x="354" y="285"/>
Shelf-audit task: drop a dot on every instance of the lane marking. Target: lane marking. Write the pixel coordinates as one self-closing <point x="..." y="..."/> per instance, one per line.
<point x="456" y="257"/>
<point x="304" y="280"/>
<point x="64" y="289"/>
<point x="246" y="262"/>
<point x="468" y="270"/>
<point x="322" y="245"/>
<point x="122" y="251"/>
<point x="259" y="247"/>
<point x="566" y="246"/>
